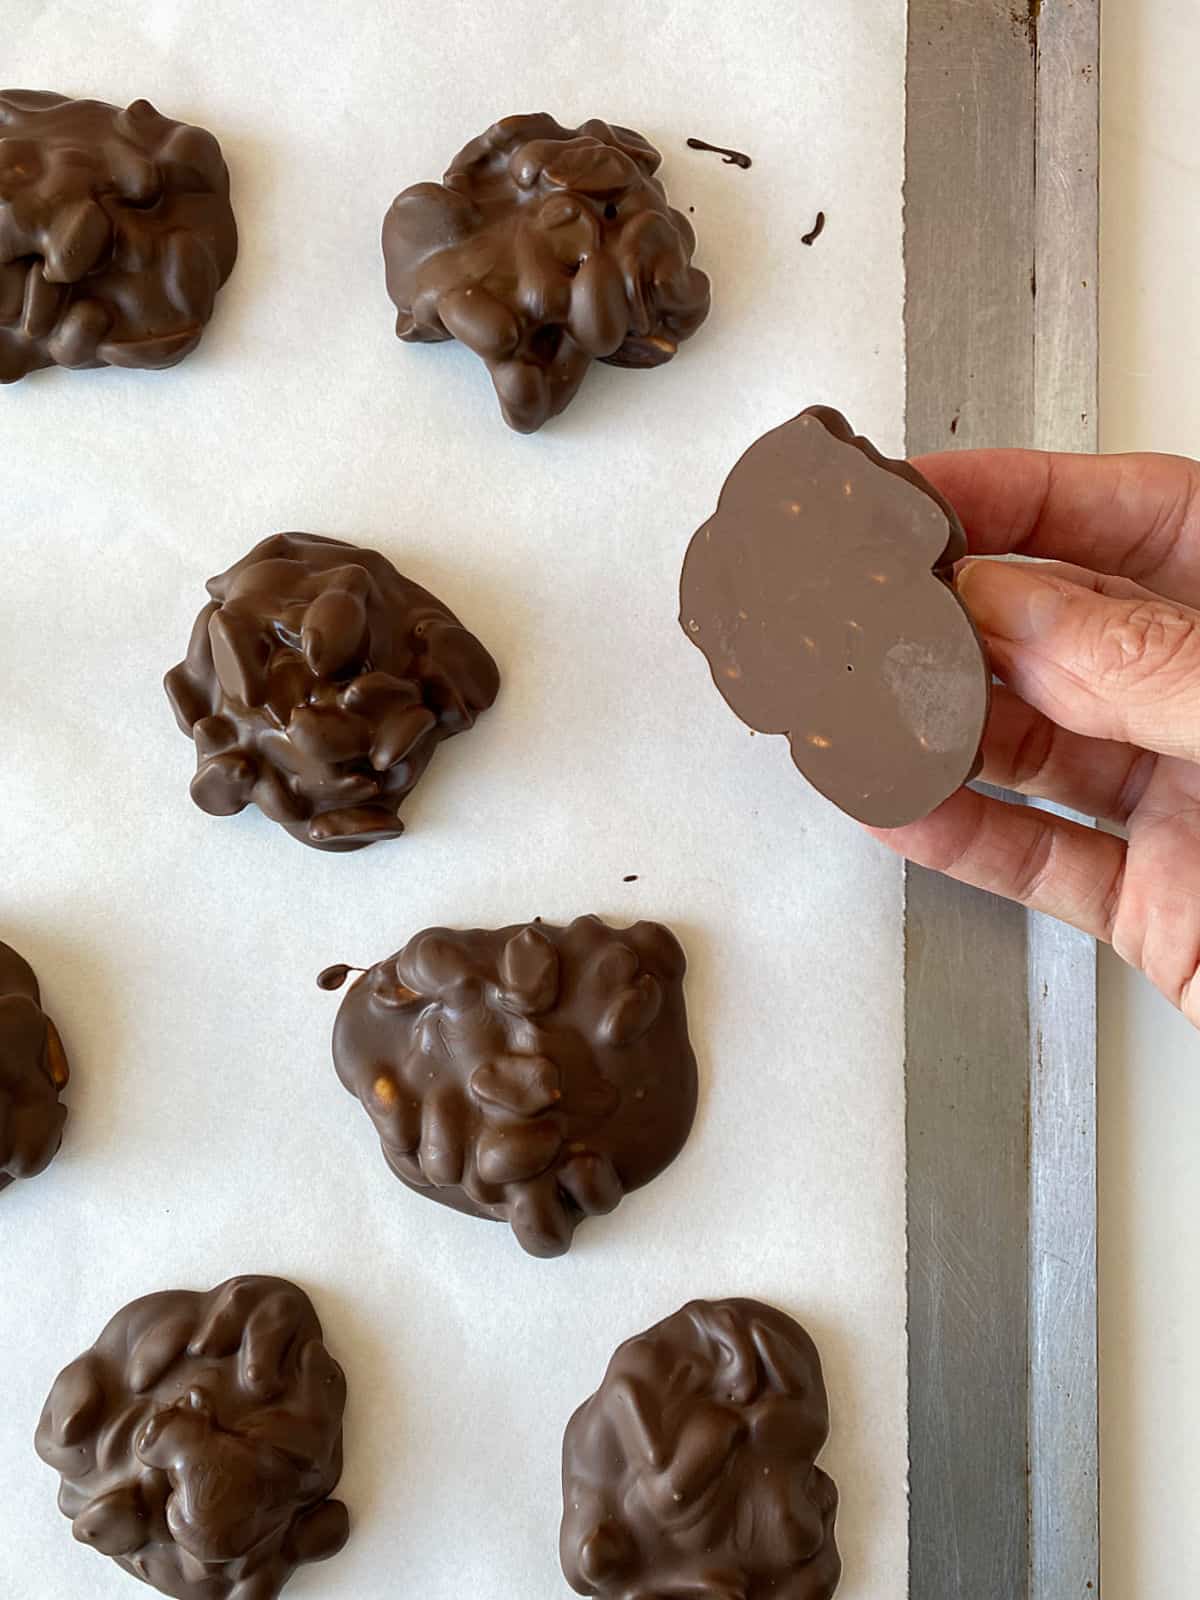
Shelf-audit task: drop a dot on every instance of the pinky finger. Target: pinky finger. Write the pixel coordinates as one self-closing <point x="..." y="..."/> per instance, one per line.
<point x="1044" y="861"/>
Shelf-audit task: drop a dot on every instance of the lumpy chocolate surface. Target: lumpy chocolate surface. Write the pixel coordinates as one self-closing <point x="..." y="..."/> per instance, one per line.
<point x="116" y="232"/>
<point x="200" y="1438"/>
<point x="317" y="685"/>
<point x="692" y="1469"/>
<point x="33" y="1073"/>
<point x="544" y="249"/>
<point x="821" y="593"/>
<point x="533" y="1074"/>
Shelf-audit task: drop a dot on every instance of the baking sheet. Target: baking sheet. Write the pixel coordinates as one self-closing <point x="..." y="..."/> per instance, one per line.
<point x="1004" y="1490"/>
<point x="208" y="1134"/>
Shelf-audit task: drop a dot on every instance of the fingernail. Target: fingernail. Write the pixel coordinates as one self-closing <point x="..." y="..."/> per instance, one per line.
<point x="1008" y="599"/>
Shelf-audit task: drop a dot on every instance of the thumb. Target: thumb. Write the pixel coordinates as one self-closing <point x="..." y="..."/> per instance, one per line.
<point x="1109" y="666"/>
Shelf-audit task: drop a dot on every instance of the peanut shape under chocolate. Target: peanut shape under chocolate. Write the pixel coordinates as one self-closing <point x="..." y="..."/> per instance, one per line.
<point x="317" y="685"/>
<point x="33" y="1073"/>
<point x="692" y="1469"/>
<point x="821" y="593"/>
<point x="543" y="249"/>
<point x="533" y="1075"/>
<point x="115" y="234"/>
<point x="200" y="1438"/>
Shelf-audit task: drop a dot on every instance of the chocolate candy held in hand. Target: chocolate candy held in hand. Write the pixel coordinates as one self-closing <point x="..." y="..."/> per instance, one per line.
<point x="200" y="1438"/>
<point x="533" y="1075"/>
<point x="692" y="1469"/>
<point x="318" y="683"/>
<point x="115" y="234"/>
<point x="822" y="594"/>
<point x="33" y="1072"/>
<point x="545" y="248"/>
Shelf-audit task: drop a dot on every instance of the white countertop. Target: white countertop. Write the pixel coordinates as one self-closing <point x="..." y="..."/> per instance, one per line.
<point x="1149" y="1058"/>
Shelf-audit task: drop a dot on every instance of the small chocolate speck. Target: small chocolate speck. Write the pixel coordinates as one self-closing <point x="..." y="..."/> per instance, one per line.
<point x="630" y="877"/>
<point x="729" y="158"/>
<point x="815" y="232"/>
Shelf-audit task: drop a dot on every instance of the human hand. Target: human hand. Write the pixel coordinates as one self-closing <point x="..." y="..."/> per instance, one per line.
<point x="1098" y="705"/>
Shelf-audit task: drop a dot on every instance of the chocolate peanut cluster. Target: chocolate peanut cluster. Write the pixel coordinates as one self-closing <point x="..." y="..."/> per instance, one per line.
<point x="33" y="1073"/>
<point x="318" y="683"/>
<point x="543" y="249"/>
<point x="115" y="234"/>
<point x="533" y="1075"/>
<point x="692" y="1469"/>
<point x="200" y="1438"/>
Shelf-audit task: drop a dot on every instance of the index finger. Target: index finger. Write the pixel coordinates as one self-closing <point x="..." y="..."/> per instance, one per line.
<point x="1133" y="516"/>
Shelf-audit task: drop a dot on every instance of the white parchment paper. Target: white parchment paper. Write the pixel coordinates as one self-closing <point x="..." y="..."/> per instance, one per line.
<point x="208" y="1134"/>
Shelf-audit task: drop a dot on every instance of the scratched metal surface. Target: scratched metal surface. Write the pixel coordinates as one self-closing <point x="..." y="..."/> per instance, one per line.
<point x="1001" y="258"/>
<point x="1064" y="1444"/>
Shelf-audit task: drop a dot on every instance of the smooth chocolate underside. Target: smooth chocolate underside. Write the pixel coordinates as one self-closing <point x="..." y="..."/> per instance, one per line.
<point x="532" y="1074"/>
<point x="692" y="1469"/>
<point x="821" y="594"/>
<point x="116" y="232"/>
<point x="317" y="685"/>
<point x="200" y="1438"/>
<point x="544" y="249"/>
<point x="33" y="1073"/>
